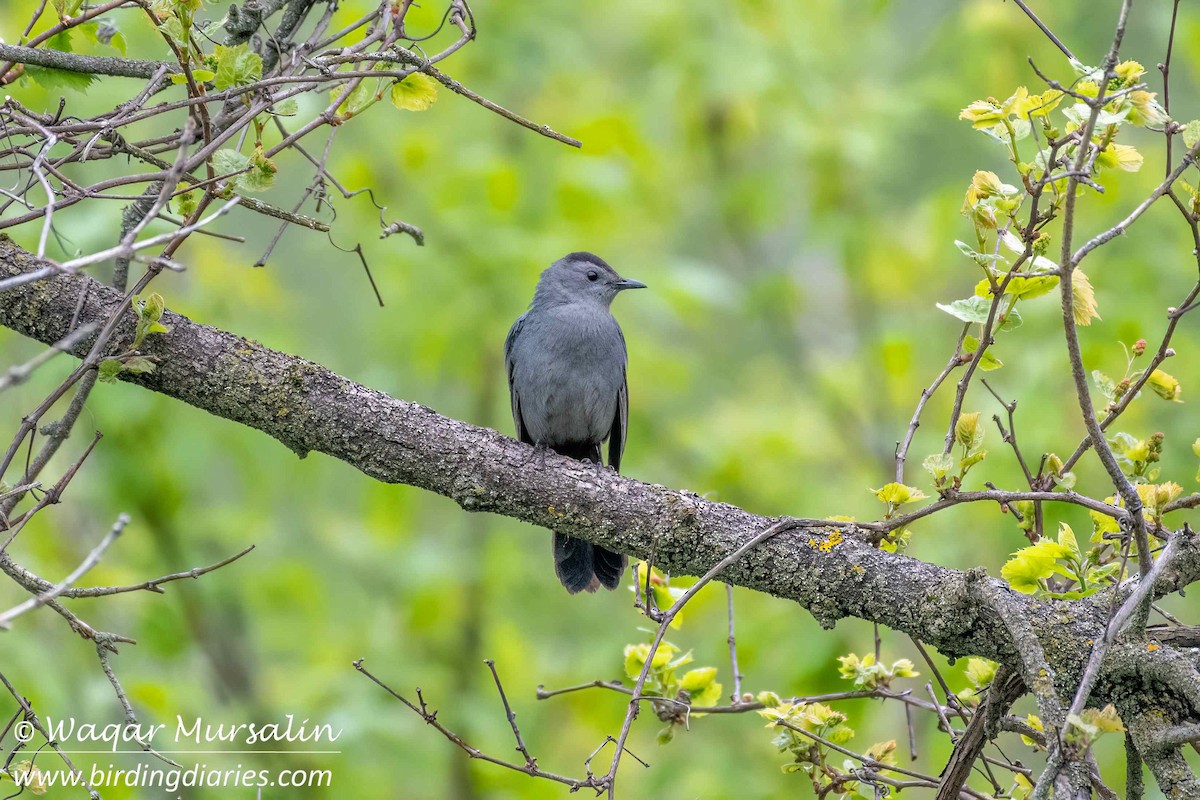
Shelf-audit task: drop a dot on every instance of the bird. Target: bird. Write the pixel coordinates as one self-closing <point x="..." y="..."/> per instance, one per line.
<point x="566" y="361"/>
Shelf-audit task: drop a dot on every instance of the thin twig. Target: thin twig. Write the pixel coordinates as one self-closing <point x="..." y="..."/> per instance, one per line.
<point x="530" y="761"/>
<point x="88" y="562"/>
<point x="430" y="717"/>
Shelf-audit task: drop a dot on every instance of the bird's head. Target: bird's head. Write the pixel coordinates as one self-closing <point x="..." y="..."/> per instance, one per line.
<point x="581" y="278"/>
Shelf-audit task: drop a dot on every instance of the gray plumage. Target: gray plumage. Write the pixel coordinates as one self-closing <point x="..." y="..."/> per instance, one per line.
<point x="566" y="360"/>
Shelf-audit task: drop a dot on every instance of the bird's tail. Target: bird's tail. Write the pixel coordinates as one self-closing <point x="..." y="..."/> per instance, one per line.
<point x="581" y="565"/>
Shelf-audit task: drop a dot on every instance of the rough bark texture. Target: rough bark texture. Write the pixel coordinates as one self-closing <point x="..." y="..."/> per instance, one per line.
<point x="831" y="574"/>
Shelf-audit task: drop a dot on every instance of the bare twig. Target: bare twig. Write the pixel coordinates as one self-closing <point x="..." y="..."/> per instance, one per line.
<point x="530" y="761"/>
<point x="88" y="562"/>
<point x="430" y="717"/>
<point x="609" y="780"/>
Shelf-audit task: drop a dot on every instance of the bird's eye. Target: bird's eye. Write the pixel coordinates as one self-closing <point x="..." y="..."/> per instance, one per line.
<point x="593" y="275"/>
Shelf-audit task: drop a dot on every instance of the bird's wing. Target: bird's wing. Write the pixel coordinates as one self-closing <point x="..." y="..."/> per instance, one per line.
<point x="616" y="441"/>
<point x="510" y="367"/>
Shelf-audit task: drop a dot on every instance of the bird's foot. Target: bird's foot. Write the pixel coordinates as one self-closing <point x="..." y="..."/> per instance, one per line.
<point x="539" y="452"/>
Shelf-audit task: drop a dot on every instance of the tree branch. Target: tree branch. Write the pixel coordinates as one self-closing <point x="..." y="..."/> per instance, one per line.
<point x="73" y="62"/>
<point x="832" y="573"/>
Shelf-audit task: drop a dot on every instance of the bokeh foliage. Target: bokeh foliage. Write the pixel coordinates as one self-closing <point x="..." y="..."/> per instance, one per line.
<point x="787" y="178"/>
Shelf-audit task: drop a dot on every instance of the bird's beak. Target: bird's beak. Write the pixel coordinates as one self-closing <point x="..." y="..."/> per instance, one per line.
<point x="626" y="283"/>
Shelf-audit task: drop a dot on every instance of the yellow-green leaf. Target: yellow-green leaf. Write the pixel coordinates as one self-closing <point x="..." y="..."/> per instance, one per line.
<point x="1032" y="564"/>
<point x="1066" y="538"/>
<point x="980" y="671"/>
<point x="1164" y="385"/>
<point x="1191" y="133"/>
<point x="987" y="361"/>
<point x="696" y="680"/>
<point x="968" y="432"/>
<point x="417" y="92"/>
<point x="1084" y="298"/>
<point x="898" y="494"/>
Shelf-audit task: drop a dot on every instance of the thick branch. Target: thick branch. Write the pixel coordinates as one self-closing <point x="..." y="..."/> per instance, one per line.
<point x="73" y="62"/>
<point x="307" y="407"/>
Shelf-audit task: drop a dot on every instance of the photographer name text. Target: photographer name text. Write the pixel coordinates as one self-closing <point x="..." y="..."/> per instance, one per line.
<point x="193" y="730"/>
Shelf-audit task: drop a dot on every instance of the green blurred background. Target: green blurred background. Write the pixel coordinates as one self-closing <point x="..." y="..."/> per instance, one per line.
<point x="787" y="179"/>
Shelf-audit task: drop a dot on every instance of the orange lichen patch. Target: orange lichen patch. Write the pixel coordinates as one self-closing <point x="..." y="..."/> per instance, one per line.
<point x="824" y="546"/>
<point x="1151" y="647"/>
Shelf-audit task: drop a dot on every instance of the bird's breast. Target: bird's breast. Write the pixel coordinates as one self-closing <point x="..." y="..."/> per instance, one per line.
<point x="571" y="369"/>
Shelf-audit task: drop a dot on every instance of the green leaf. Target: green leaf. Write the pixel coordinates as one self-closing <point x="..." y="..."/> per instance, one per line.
<point x="968" y="432"/>
<point x="185" y="203"/>
<point x="867" y="673"/>
<point x="286" y="108"/>
<point x="417" y="92"/>
<point x="1084" y="299"/>
<point x="236" y="66"/>
<point x="173" y="29"/>
<point x="227" y="161"/>
<point x="898" y="494"/>
<point x="1029" y="565"/>
<point x="58" y="79"/>
<point x="261" y="175"/>
<point x="109" y="369"/>
<point x="1009" y="320"/>
<point x="971" y="309"/>
<point x="360" y="97"/>
<point x="840" y="734"/>
<point x="987" y="361"/>
<point x="1106" y="720"/>
<point x="1165" y="385"/>
<point x="896" y="541"/>
<point x="980" y="672"/>
<point x="1121" y="156"/>
<point x="139" y="365"/>
<point x="63" y="40"/>
<point x="938" y="465"/>
<point x="1105" y="384"/>
<point x="636" y="654"/>
<point x="981" y="258"/>
<point x="1191" y="133"/>
<point x="67" y="8"/>
<point x="1066" y="538"/>
<point x="635" y="659"/>
<point x="666" y="735"/>
<point x="1099" y="574"/>
<point x="710" y="695"/>
<point x="89" y="30"/>
<point x="151" y="308"/>
<point x="1087" y="727"/>
<point x="257" y="172"/>
<point x="1020" y="286"/>
<point x="971" y="460"/>
<point x="1066" y="480"/>
<point x="697" y="680"/>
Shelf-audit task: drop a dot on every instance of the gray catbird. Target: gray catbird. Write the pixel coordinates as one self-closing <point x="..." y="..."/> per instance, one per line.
<point x="566" y="373"/>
